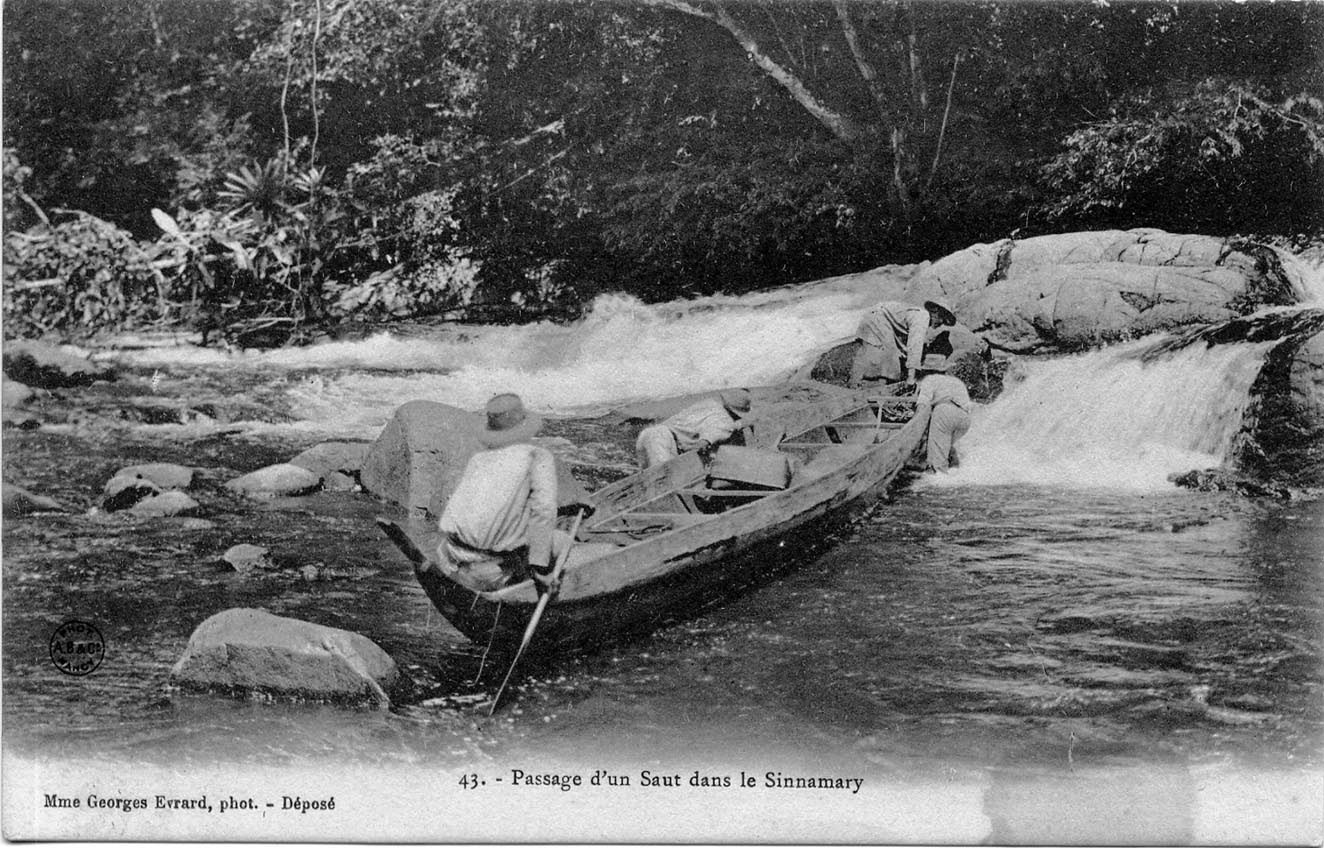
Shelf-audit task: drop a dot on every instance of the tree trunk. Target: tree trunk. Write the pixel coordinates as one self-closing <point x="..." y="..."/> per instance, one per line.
<point x="862" y="64"/>
<point x="838" y="124"/>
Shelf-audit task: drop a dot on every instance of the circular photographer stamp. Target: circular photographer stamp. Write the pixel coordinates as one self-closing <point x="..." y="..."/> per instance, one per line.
<point x="77" y="648"/>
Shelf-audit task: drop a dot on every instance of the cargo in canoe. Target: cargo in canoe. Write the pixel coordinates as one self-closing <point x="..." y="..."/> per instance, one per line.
<point x="664" y="542"/>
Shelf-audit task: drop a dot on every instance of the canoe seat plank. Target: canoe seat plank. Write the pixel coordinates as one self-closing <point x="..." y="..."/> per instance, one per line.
<point x="732" y="493"/>
<point x="677" y="518"/>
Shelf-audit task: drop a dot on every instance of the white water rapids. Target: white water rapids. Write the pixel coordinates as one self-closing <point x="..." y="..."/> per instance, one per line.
<point x="1098" y="419"/>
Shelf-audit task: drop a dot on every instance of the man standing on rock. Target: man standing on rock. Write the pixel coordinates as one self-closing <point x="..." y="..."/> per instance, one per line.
<point x="949" y="412"/>
<point x="499" y="523"/>
<point x="892" y="337"/>
<point x="700" y="426"/>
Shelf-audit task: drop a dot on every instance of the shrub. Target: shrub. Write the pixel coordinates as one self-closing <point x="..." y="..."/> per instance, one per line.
<point x="77" y="276"/>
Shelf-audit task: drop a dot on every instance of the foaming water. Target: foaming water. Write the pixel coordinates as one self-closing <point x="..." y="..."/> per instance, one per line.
<point x="1107" y="419"/>
<point x="623" y="350"/>
<point x="1313" y="276"/>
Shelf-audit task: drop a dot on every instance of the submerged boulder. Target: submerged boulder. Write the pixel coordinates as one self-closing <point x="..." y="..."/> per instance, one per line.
<point x="13" y="397"/>
<point x="246" y="651"/>
<point x="1078" y="290"/>
<point x="48" y="367"/>
<point x="1223" y="480"/>
<point x="173" y="502"/>
<point x="14" y="394"/>
<point x="244" y="558"/>
<point x="123" y="491"/>
<point x="281" y="480"/>
<point x="17" y="500"/>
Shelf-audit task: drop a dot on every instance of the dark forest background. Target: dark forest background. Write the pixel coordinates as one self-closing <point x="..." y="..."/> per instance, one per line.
<point x="269" y="167"/>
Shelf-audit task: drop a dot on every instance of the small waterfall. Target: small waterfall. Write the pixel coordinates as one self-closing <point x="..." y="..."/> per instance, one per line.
<point x="1107" y="418"/>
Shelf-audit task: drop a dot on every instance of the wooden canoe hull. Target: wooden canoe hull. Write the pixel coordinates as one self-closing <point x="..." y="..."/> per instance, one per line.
<point x="675" y="574"/>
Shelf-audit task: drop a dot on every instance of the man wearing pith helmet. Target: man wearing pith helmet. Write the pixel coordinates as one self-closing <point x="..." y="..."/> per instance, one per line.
<point x="892" y="336"/>
<point x="701" y="426"/>
<point x="499" y="523"/>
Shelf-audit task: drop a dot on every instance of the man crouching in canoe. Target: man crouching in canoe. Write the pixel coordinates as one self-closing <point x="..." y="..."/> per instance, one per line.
<point x="499" y="523"/>
<point x="700" y="426"/>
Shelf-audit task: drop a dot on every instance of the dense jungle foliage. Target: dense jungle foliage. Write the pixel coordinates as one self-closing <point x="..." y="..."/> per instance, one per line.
<point x="262" y="168"/>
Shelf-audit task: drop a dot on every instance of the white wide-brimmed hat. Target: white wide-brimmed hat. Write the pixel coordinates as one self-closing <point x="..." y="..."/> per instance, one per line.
<point x="736" y="401"/>
<point x="508" y="422"/>
<point x="947" y="315"/>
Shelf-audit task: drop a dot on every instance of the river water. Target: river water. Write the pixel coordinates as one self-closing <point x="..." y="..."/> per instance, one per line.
<point x="1053" y="609"/>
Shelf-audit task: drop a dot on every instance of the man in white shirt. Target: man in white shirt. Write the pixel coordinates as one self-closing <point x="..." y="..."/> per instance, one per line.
<point x="499" y="523"/>
<point x="700" y="426"/>
<point x="949" y="415"/>
<point x="892" y="337"/>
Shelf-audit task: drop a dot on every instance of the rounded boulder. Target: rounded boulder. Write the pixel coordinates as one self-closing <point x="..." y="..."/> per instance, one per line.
<point x="243" y="651"/>
<point x="274" y="481"/>
<point x="1073" y="291"/>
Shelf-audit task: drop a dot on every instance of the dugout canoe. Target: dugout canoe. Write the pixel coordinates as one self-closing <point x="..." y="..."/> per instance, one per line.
<point x="667" y="541"/>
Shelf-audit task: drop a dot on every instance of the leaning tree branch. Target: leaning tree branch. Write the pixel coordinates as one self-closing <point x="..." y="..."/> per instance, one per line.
<point x="838" y="124"/>
<point x="942" y="129"/>
<point x="862" y="64"/>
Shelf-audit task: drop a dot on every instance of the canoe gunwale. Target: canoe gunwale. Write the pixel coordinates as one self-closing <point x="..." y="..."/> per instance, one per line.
<point x="685" y="553"/>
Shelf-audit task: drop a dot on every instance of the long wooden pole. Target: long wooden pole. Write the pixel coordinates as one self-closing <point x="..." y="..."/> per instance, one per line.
<point x="537" y="612"/>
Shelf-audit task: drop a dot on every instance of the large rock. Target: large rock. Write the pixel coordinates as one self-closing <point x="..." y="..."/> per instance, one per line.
<point x="280" y="480"/>
<point x="1306" y="377"/>
<point x="1287" y="412"/>
<point x="420" y="454"/>
<point x="418" y="459"/>
<point x="48" y="367"/>
<point x="1078" y="290"/>
<point x="1282" y="430"/>
<point x="242" y="651"/>
<point x="338" y="463"/>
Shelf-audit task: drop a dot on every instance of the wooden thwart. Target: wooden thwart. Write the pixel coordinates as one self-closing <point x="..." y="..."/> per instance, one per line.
<point x="672" y="555"/>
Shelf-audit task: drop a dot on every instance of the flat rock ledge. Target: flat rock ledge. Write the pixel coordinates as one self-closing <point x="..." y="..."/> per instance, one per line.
<point x="245" y="652"/>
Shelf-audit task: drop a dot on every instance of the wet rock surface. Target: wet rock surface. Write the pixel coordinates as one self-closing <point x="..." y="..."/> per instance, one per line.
<point x="19" y="501"/>
<point x="245" y="557"/>
<point x="280" y="480"/>
<point x="329" y="458"/>
<point x="124" y="490"/>
<point x="49" y="367"/>
<point x="166" y="504"/>
<point x="417" y="460"/>
<point x="251" y="651"/>
<point x="166" y="475"/>
<point x="1074" y="291"/>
